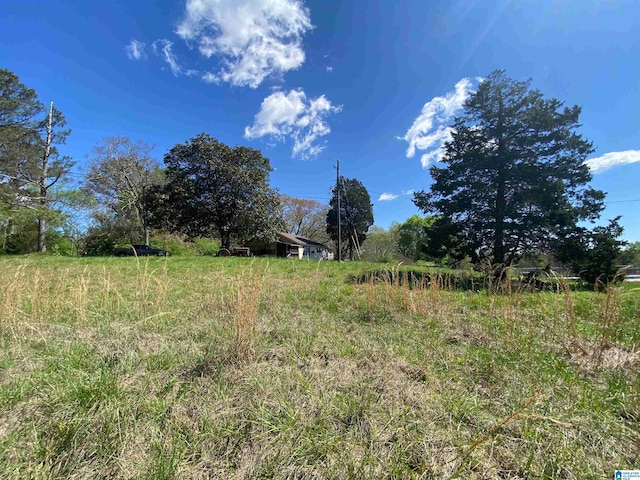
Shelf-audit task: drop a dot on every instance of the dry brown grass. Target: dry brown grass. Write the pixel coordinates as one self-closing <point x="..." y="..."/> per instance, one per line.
<point x="248" y="291"/>
<point x="214" y="368"/>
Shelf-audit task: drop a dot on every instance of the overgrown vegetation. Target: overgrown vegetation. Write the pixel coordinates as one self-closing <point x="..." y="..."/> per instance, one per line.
<point x="513" y="184"/>
<point x="237" y="368"/>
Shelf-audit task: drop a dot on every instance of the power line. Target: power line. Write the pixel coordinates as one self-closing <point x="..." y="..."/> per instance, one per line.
<point x="622" y="201"/>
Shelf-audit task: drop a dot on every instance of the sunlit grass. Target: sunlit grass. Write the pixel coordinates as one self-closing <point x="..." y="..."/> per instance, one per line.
<point x="197" y="367"/>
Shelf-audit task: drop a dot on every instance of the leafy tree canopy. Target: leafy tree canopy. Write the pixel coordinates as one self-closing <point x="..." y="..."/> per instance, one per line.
<point x="19" y="105"/>
<point x="413" y="237"/>
<point x="215" y="189"/>
<point x="630" y="254"/>
<point x="513" y="178"/>
<point x="382" y="245"/>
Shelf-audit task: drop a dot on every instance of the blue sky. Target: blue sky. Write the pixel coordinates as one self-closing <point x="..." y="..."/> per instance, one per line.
<point x="373" y="83"/>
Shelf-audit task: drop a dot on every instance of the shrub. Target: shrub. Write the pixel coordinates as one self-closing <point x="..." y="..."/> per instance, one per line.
<point x="592" y="254"/>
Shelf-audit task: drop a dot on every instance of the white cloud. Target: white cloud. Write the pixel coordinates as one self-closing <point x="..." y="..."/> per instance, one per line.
<point x="164" y="49"/>
<point x="430" y="130"/>
<point x="329" y="69"/>
<point x="293" y="116"/>
<point x="385" y="197"/>
<point x="135" y="50"/>
<point x="253" y="39"/>
<point x="613" y="159"/>
<point x="210" y="78"/>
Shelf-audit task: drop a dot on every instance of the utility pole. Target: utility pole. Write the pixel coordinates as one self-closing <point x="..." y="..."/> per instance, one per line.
<point x="339" y="211"/>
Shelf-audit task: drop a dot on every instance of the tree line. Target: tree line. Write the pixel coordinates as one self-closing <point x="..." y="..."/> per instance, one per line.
<point x="512" y="184"/>
<point x="205" y="189"/>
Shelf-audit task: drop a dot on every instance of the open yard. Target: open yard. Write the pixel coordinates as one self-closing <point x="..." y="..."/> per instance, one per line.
<point x="251" y="368"/>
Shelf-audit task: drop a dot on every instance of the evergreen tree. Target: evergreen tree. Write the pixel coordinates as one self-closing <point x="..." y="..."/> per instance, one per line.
<point x="356" y="215"/>
<point x="514" y="178"/>
<point x="593" y="254"/>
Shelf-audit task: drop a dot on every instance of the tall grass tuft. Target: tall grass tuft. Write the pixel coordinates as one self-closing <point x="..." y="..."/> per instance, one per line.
<point x="609" y="316"/>
<point x="569" y="310"/>
<point x="248" y="292"/>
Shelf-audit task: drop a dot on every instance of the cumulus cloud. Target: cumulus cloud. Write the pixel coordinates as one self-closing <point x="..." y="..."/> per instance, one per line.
<point x="135" y="50"/>
<point x="613" y="159"/>
<point x="386" y="197"/>
<point x="430" y="130"/>
<point x="293" y="116"/>
<point x="253" y="39"/>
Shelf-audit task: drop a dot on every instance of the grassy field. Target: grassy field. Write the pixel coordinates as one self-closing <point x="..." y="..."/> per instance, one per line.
<point x="198" y="367"/>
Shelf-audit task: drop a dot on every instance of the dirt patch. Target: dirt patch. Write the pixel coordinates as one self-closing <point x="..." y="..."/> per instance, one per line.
<point x="591" y="356"/>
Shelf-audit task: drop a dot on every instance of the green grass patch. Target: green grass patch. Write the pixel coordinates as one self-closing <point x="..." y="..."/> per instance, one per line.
<point x="204" y="367"/>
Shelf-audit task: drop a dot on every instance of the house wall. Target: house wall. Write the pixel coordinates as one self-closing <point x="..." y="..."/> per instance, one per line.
<point x="283" y="249"/>
<point x="317" y="253"/>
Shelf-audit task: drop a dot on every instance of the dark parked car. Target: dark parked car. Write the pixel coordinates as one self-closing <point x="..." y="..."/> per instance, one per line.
<point x="140" y="251"/>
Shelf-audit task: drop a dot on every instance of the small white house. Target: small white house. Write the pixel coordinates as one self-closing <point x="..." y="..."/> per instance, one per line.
<point x="290" y="245"/>
<point x="293" y="246"/>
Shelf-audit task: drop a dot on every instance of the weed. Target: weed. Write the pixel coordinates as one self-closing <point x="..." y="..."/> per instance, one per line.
<point x="248" y="292"/>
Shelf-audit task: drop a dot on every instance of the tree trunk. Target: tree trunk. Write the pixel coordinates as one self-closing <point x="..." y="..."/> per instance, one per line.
<point x="499" y="271"/>
<point x="42" y="229"/>
<point x="498" y="241"/>
<point x="7" y="231"/>
<point x="42" y="223"/>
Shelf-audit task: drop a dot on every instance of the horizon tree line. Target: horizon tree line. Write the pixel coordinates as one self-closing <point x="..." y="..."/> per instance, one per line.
<point x="512" y="183"/>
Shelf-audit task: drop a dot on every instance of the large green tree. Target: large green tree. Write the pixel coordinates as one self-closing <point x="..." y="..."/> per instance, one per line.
<point x="513" y="178"/>
<point x="356" y="215"/>
<point x="212" y="189"/>
<point x="19" y="106"/>
<point x="122" y="173"/>
<point x="31" y="167"/>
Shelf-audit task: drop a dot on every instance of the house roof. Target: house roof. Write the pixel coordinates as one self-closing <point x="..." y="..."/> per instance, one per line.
<point x="298" y="240"/>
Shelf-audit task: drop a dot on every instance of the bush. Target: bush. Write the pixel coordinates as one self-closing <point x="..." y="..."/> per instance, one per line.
<point x="593" y="254"/>
<point x="207" y="246"/>
<point x="98" y="246"/>
<point x="177" y="246"/>
<point x="62" y="246"/>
